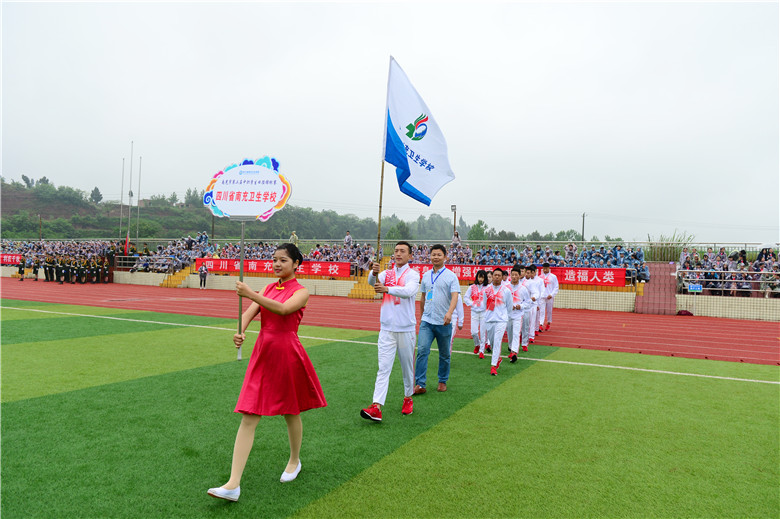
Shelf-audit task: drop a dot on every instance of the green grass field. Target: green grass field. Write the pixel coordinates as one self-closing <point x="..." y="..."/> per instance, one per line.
<point x="117" y="413"/>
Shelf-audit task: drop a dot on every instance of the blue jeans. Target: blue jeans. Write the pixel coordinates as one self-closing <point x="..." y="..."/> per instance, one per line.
<point x="442" y="333"/>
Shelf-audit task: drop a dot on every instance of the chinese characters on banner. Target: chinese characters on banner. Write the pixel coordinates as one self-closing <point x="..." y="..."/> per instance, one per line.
<point x="10" y="259"/>
<point x="566" y="276"/>
<point x="328" y="269"/>
<point x="251" y="189"/>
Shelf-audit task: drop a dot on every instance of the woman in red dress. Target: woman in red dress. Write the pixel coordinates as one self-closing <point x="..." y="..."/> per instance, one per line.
<point x="280" y="379"/>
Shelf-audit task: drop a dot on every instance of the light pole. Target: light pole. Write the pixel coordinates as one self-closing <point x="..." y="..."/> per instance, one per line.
<point x="454" y="218"/>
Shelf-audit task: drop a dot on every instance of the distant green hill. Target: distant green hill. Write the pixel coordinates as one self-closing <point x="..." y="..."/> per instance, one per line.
<point x="67" y="213"/>
<point x="38" y="208"/>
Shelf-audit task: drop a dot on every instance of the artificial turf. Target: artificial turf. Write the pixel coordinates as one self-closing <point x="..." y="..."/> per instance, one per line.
<point x="562" y="440"/>
<point x="139" y="423"/>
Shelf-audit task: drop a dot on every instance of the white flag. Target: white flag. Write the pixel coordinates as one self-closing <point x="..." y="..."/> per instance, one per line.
<point x="414" y="143"/>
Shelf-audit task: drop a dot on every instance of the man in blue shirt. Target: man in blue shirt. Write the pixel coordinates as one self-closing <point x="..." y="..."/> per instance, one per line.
<point x="439" y="288"/>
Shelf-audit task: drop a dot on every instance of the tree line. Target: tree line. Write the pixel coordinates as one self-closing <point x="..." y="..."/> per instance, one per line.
<point x="38" y="208"/>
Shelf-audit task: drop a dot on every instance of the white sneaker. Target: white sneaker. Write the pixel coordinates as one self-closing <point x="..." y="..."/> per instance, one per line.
<point x="224" y="493"/>
<point x="287" y="477"/>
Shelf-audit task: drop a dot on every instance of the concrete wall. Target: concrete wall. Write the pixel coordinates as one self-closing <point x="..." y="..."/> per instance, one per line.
<point x="139" y="278"/>
<point x="319" y="287"/>
<point x="8" y="271"/>
<point x="595" y="300"/>
<point x="751" y="308"/>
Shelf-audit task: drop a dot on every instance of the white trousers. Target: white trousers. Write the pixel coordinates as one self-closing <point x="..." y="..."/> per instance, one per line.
<point x="389" y="343"/>
<point x="548" y="303"/>
<point x="540" y="312"/>
<point x="478" y="328"/>
<point x="526" y="328"/>
<point x="495" y="331"/>
<point x="519" y="329"/>
<point x="510" y="330"/>
<point x="533" y="320"/>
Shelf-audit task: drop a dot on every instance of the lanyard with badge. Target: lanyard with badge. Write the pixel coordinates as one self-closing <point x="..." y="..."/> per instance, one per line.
<point x="429" y="294"/>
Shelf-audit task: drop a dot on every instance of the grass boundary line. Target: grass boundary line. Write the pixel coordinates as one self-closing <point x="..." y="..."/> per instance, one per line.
<point x="628" y="368"/>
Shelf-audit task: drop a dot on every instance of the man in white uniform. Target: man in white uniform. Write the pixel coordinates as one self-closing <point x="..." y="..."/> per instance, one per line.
<point x="533" y="289"/>
<point x="521" y="302"/>
<point x="551" y="285"/>
<point x="398" y="286"/>
<point x="499" y="304"/>
<point x="540" y="306"/>
<point x="505" y="282"/>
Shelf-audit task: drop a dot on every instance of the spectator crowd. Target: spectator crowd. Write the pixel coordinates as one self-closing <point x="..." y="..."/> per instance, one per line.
<point x="719" y="273"/>
<point x="602" y="257"/>
<point x="729" y="273"/>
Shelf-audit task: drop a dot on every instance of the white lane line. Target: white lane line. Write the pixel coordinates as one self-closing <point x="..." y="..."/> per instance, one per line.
<point x="677" y="373"/>
<point x="652" y="371"/>
<point x="170" y="324"/>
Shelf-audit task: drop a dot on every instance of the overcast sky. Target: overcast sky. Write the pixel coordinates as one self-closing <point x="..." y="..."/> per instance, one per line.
<point x="648" y="117"/>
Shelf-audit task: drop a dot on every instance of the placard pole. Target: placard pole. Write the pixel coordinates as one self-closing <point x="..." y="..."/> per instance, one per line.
<point x="241" y="278"/>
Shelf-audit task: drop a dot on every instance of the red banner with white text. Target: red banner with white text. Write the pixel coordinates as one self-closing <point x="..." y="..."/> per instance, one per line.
<point x="10" y="259"/>
<point x="327" y="269"/>
<point x="566" y="275"/>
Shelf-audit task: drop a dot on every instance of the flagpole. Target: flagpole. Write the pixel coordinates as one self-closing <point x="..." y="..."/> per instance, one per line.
<point x="379" y="221"/>
<point x="138" y="203"/>
<point x="130" y="193"/>
<point x="121" y="199"/>
<point x="382" y="175"/>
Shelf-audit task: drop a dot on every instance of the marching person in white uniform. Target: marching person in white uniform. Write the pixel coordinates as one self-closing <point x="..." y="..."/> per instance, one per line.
<point x="398" y="286"/>
<point x="533" y="289"/>
<point x="518" y="317"/>
<point x="540" y="302"/>
<point x="551" y="285"/>
<point x="497" y="308"/>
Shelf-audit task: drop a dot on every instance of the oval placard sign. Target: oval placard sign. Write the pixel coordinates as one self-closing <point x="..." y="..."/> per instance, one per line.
<point x="252" y="189"/>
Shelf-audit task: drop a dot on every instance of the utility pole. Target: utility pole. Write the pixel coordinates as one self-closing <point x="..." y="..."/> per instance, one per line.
<point x="454" y="218"/>
<point x="583" y="229"/>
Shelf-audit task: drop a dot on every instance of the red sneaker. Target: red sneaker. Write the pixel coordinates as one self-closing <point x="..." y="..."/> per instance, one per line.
<point x="498" y="363"/>
<point x="547" y="328"/>
<point x="476" y="350"/>
<point x="525" y="348"/>
<point x="488" y="348"/>
<point x="408" y="406"/>
<point x="372" y="412"/>
<point x="493" y="371"/>
<point x="481" y="355"/>
<point x="531" y="340"/>
<point x="513" y="357"/>
<point x="541" y="330"/>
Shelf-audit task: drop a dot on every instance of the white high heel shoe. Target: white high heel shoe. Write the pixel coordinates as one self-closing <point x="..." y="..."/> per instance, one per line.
<point x="287" y="476"/>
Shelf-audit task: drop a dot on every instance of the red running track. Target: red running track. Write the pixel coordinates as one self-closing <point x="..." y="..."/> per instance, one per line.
<point x="713" y="338"/>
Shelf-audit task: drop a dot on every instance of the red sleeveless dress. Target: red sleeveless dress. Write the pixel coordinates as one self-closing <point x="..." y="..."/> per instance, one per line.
<point x="280" y="378"/>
